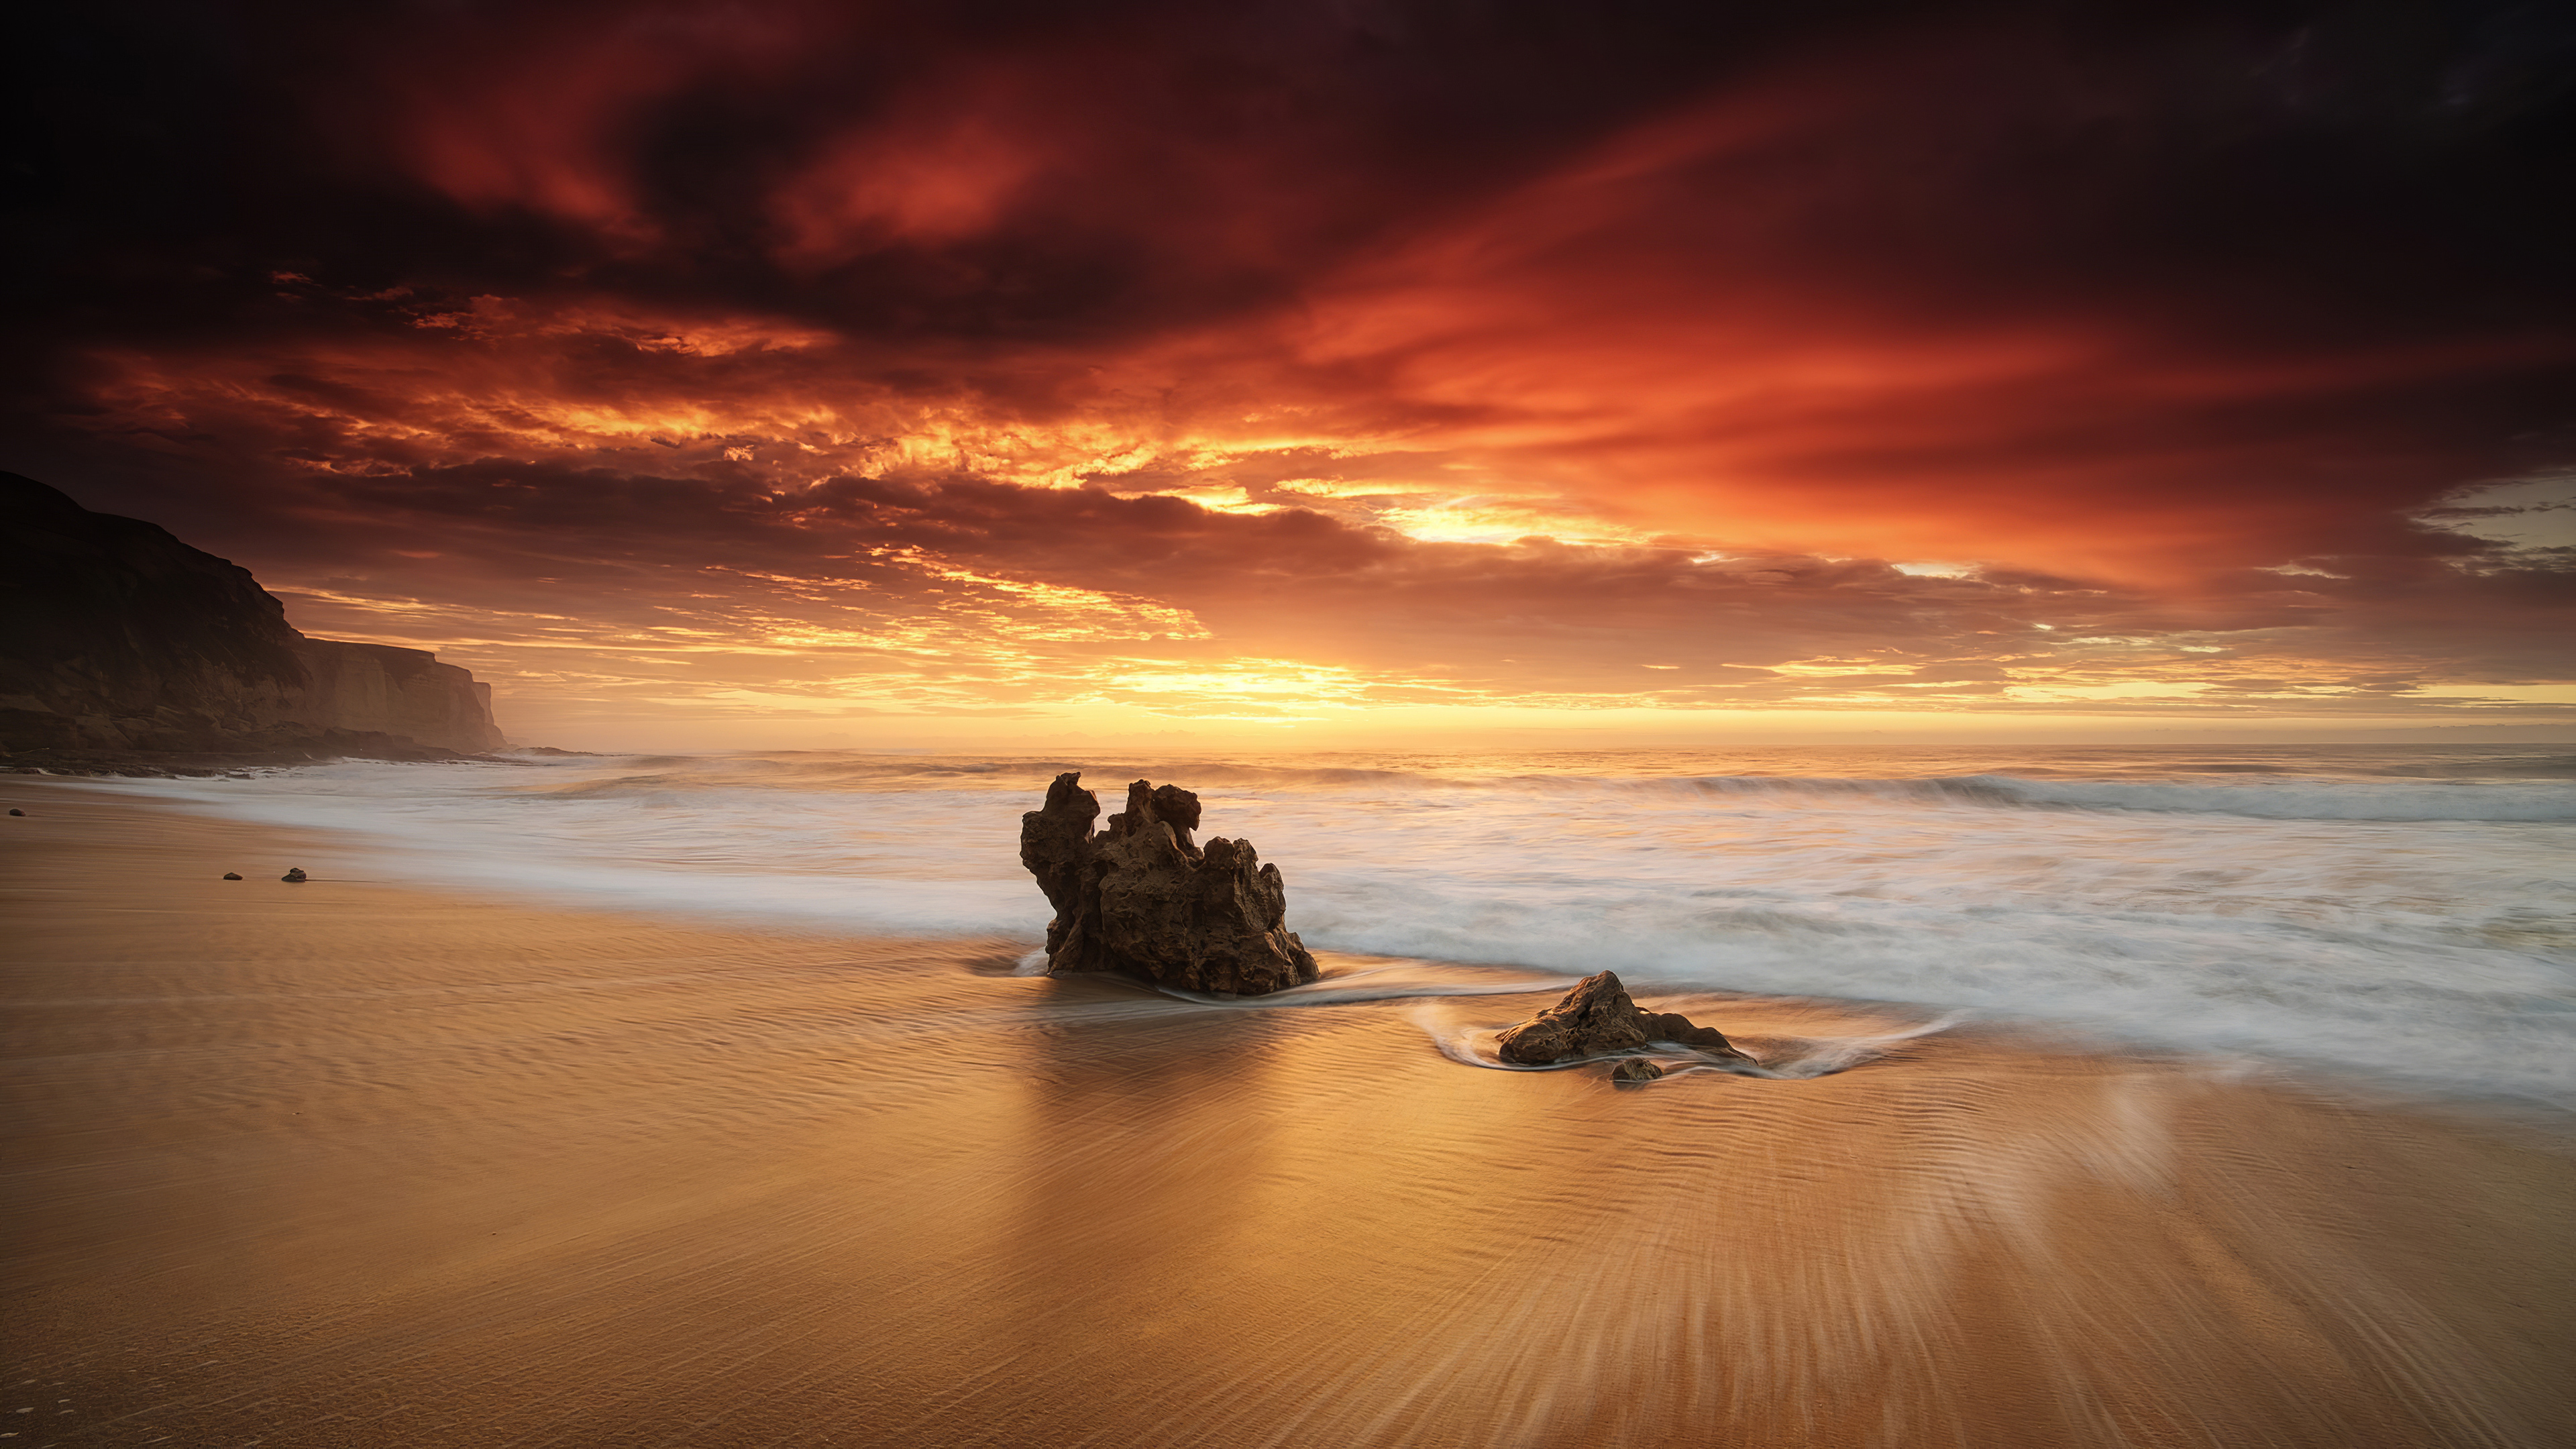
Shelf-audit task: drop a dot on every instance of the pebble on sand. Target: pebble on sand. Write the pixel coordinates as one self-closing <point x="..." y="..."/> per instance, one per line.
<point x="1635" y="1070"/>
<point x="294" y="875"/>
<point x="18" y="812"/>
<point x="232" y="875"/>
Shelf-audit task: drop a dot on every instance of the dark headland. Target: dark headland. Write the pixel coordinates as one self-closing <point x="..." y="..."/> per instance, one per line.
<point x="125" y="651"/>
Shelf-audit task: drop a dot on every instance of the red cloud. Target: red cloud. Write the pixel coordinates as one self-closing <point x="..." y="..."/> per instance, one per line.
<point x="738" y="298"/>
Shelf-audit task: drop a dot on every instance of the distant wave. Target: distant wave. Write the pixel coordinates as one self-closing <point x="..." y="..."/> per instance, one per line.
<point x="2280" y="799"/>
<point x="2432" y="791"/>
<point x="2271" y="797"/>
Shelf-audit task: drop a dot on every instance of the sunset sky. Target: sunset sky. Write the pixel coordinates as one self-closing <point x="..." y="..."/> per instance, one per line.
<point x="800" y="374"/>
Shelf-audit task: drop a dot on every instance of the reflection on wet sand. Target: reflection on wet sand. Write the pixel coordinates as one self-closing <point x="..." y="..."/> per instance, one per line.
<point x="349" y="1165"/>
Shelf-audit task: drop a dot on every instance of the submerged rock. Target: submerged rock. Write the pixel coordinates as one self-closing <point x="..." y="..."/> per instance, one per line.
<point x="232" y="875"/>
<point x="1596" y="1018"/>
<point x="294" y="875"/>
<point x="1141" y="898"/>
<point x="1635" y="1070"/>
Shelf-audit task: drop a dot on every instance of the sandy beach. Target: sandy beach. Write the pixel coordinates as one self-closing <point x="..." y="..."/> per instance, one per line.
<point x="352" y="1163"/>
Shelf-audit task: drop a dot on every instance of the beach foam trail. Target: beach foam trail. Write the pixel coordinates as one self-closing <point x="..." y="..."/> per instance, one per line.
<point x="2406" y="914"/>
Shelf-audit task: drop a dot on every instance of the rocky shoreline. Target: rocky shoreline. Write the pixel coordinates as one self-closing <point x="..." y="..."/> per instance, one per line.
<point x="333" y="748"/>
<point x="205" y="764"/>
<point x="1142" y="898"/>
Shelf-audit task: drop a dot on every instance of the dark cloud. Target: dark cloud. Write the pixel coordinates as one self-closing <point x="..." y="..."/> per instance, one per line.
<point x="999" y="171"/>
<point x="1475" y="351"/>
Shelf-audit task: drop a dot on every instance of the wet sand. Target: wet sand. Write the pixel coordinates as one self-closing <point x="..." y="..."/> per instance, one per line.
<point x="353" y="1164"/>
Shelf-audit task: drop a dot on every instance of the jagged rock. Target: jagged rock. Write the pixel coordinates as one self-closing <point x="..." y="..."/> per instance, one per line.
<point x="1143" y="899"/>
<point x="1635" y="1070"/>
<point x="294" y="875"/>
<point x="232" y="875"/>
<point x="1055" y="846"/>
<point x="1597" y="1018"/>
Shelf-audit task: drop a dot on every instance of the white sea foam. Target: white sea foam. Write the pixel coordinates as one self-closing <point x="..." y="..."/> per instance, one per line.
<point x="2536" y="800"/>
<point x="2403" y="913"/>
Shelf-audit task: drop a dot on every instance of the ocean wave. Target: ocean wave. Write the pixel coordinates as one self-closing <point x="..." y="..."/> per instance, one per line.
<point x="2410" y="925"/>
<point x="2295" y="799"/>
<point x="2416" y="791"/>
<point x="2277" y="796"/>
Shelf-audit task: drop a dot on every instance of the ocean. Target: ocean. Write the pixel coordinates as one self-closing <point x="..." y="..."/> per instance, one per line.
<point x="2399" y="914"/>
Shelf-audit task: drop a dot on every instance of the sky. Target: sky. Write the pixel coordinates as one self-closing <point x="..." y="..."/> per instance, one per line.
<point x="779" y="374"/>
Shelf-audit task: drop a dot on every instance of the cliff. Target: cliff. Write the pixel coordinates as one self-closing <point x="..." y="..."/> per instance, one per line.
<point x="397" y="691"/>
<point x="115" y="636"/>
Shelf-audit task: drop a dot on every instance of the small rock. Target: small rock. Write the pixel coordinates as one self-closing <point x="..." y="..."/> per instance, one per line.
<point x="20" y="813"/>
<point x="1635" y="1070"/>
<point x="232" y="875"/>
<point x="296" y="876"/>
<point x="1596" y="1019"/>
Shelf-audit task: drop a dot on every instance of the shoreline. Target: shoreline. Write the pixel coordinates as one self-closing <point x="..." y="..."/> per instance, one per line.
<point x="213" y="764"/>
<point x="2389" y="1088"/>
<point x="354" y="1163"/>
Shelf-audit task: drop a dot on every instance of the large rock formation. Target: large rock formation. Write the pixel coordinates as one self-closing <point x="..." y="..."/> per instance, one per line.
<point x="1595" y="1019"/>
<point x="1141" y="898"/>
<point x="116" y="637"/>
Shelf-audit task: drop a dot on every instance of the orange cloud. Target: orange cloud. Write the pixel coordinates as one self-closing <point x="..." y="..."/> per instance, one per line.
<point x="777" y="355"/>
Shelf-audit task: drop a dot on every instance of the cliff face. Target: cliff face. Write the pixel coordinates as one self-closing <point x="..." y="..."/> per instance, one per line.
<point x="396" y="691"/>
<point x="116" y="636"/>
